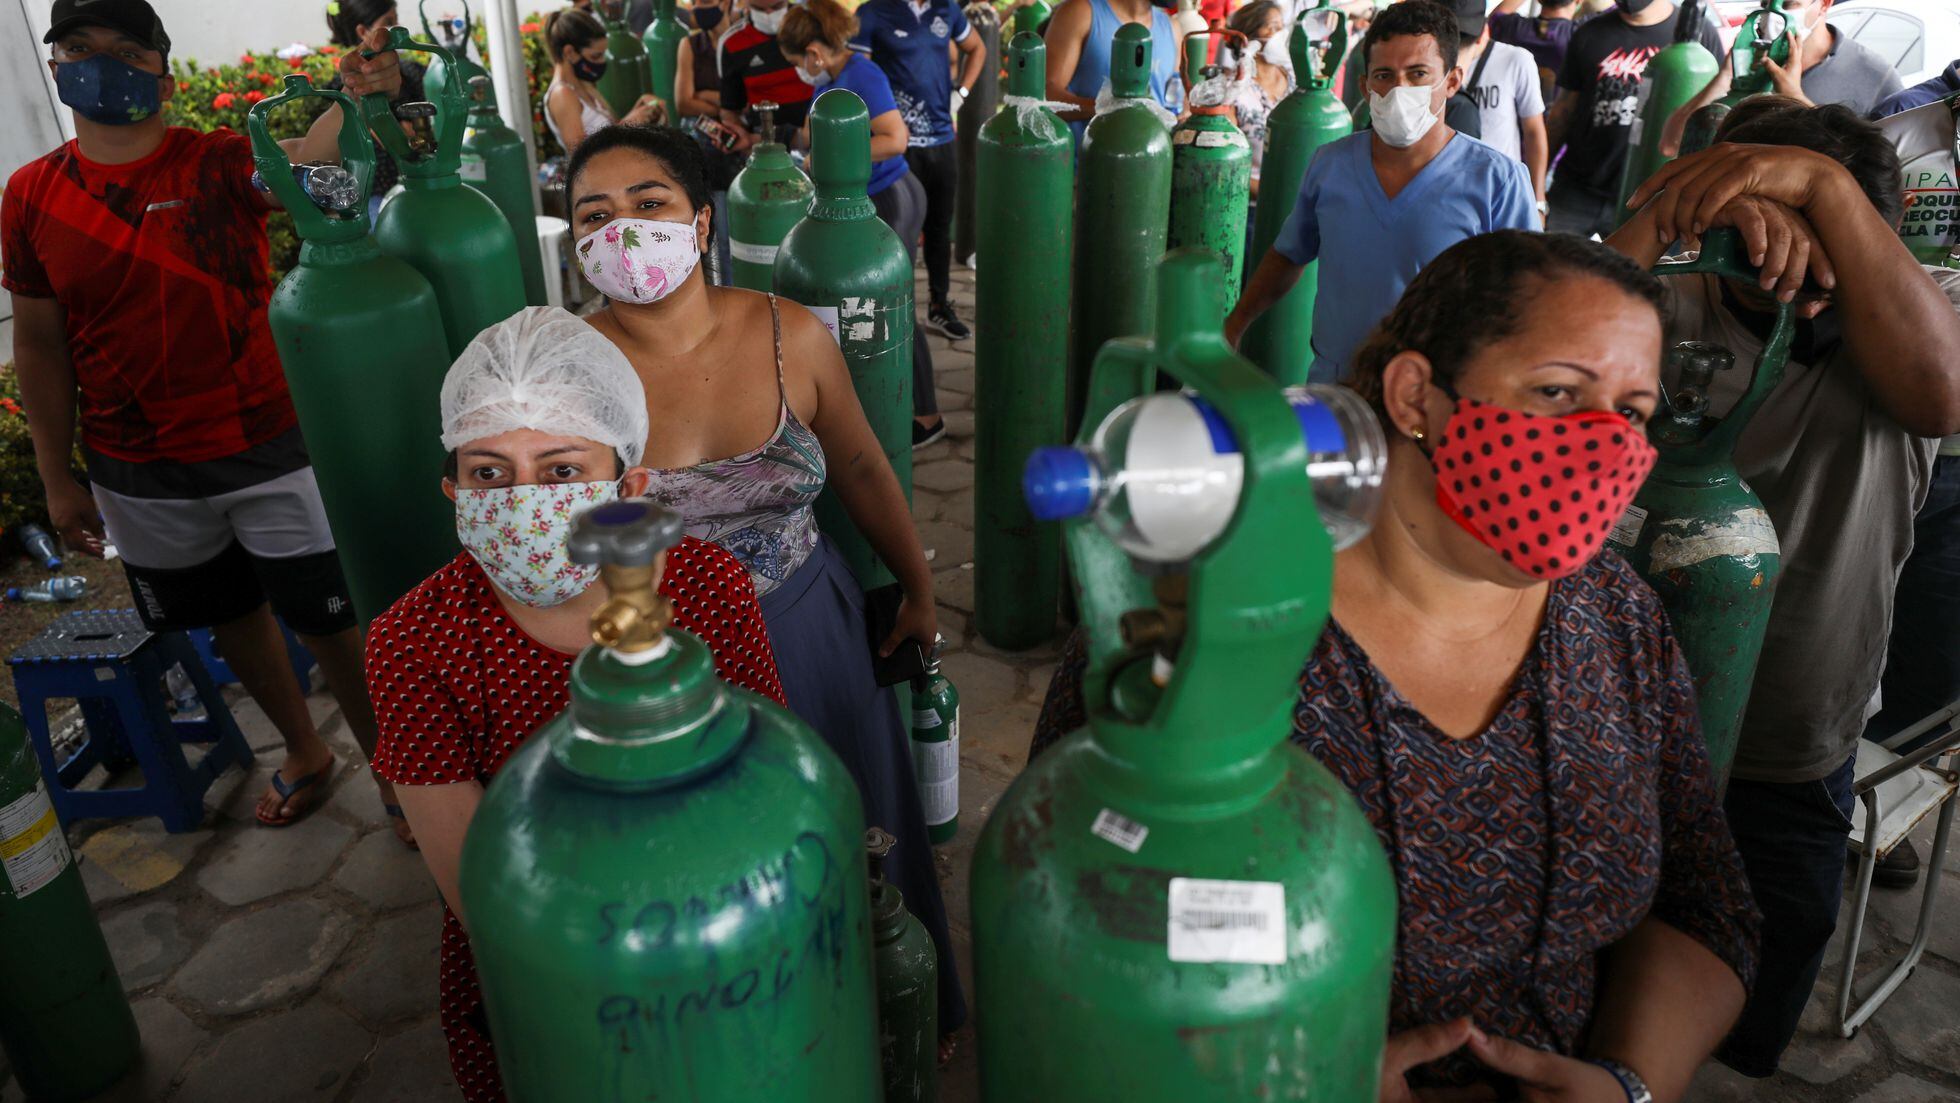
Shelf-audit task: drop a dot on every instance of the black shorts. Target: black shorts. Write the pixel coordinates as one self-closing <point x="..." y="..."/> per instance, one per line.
<point x="308" y="592"/>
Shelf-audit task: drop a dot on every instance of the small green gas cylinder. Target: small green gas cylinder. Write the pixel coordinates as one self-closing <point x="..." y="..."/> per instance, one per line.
<point x="665" y="887"/>
<point x="1311" y="116"/>
<point x="65" y="1023"/>
<point x="1696" y="531"/>
<point x="1675" y="76"/>
<point x="454" y="36"/>
<point x="361" y="338"/>
<point x="908" y="986"/>
<point x="661" y="44"/>
<point x="1029" y="17"/>
<point x="1763" y="35"/>
<point x="455" y="236"/>
<point x="978" y="107"/>
<point x="496" y="164"/>
<point x="1026" y="185"/>
<point x="627" y="75"/>
<point x="1211" y="165"/>
<point x="936" y="748"/>
<point x="769" y="196"/>
<point x="1178" y="902"/>
<point x="1125" y="200"/>
<point x="849" y="268"/>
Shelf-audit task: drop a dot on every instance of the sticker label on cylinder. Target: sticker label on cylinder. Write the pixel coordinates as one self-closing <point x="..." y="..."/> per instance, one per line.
<point x="473" y="169"/>
<point x="1114" y="827"/>
<point x="1227" y="921"/>
<point x="33" y="850"/>
<point x="1626" y="530"/>
<point x="936" y="763"/>
<point x="828" y="316"/>
<point x="857" y="320"/>
<point x="753" y="254"/>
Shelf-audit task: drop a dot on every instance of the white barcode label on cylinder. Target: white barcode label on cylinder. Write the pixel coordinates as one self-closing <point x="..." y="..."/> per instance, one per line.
<point x="1626" y="530"/>
<point x="1117" y="828"/>
<point x="750" y="253"/>
<point x="33" y="850"/>
<point x="473" y="169"/>
<point x="1234" y="921"/>
<point x="937" y="766"/>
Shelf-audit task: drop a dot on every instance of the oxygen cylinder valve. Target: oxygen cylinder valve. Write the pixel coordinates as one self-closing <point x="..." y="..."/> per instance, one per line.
<point x="333" y="189"/>
<point x="480" y="92"/>
<point x="627" y="540"/>
<point x="765" y="114"/>
<point x="878" y="843"/>
<point x="419" y="119"/>
<point x="1694" y="365"/>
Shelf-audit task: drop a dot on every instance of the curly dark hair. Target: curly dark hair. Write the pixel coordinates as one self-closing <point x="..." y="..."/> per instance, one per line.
<point x="1833" y="130"/>
<point x="1411" y="18"/>
<point x="1479" y="291"/>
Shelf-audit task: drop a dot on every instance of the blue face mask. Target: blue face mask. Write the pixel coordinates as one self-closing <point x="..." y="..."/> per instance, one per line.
<point x="104" y="90"/>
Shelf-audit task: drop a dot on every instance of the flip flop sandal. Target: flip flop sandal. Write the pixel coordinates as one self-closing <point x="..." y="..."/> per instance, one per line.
<point x="286" y="791"/>
<point x="395" y="812"/>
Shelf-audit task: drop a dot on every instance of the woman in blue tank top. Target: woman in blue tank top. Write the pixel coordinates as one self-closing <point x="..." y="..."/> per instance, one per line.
<point x="1078" y="40"/>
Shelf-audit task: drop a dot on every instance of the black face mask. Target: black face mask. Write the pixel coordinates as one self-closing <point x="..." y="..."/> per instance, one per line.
<point x="707" y="19"/>
<point x="588" y="70"/>
<point x="1635" y="7"/>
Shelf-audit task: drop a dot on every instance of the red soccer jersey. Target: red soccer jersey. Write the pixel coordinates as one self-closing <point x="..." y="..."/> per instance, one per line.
<point x="458" y="687"/>
<point x="161" y="268"/>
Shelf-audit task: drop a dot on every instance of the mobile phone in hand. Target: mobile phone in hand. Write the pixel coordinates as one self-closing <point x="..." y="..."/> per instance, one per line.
<point x="908" y="660"/>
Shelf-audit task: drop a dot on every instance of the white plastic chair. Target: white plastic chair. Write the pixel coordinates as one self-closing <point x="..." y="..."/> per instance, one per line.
<point x="1898" y="793"/>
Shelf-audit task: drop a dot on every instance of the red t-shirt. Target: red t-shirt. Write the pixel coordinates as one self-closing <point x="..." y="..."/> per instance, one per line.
<point x="458" y="687"/>
<point x="161" y="268"/>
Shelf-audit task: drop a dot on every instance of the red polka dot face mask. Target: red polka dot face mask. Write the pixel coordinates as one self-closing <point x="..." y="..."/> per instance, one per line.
<point x="1542" y="492"/>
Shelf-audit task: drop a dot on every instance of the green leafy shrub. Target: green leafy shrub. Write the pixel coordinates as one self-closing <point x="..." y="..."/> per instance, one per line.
<point x="21" y="499"/>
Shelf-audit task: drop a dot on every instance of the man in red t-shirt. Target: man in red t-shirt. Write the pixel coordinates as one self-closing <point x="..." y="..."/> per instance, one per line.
<point x="754" y="70"/>
<point x="137" y="260"/>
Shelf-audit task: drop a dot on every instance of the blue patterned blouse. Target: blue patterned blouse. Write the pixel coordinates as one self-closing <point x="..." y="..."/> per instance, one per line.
<point x="1523" y="852"/>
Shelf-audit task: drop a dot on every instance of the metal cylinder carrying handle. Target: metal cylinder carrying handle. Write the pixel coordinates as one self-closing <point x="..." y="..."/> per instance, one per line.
<point x="276" y="169"/>
<point x="1197" y="46"/>
<point x="453" y="118"/>
<point x="469" y="21"/>
<point x="1317" y="42"/>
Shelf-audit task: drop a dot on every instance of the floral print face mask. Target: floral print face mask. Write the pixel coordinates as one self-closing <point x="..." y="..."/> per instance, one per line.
<point x="638" y="260"/>
<point x="518" y="534"/>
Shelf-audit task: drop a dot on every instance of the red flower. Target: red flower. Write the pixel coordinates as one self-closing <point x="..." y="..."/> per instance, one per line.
<point x="223" y="100"/>
<point x="296" y="63"/>
<point x="529" y="28"/>
<point x="254" y="96"/>
<point x="266" y="79"/>
<point x="244" y="59"/>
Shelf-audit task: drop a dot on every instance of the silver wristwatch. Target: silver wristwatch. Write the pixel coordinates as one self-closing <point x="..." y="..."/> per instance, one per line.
<point x="1630" y="1081"/>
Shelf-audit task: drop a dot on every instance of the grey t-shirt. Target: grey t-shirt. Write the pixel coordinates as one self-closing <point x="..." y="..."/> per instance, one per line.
<point x="1852" y="74"/>
<point x="1841" y="481"/>
<point x="1507" y="90"/>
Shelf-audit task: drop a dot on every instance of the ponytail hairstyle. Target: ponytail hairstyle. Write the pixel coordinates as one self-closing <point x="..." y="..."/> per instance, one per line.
<point x="571" y="27"/>
<point x="825" y="21"/>
<point x="346" y="17"/>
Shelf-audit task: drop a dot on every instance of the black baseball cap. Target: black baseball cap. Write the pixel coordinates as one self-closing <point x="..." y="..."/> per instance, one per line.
<point x="1470" y="18"/>
<point x="135" y="18"/>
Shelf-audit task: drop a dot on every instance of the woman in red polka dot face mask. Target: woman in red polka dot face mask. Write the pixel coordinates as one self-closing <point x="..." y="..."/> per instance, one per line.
<point x="1505" y="700"/>
<point x="544" y="418"/>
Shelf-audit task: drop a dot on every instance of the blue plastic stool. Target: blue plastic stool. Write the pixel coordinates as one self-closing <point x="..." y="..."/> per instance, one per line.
<point x="296" y="653"/>
<point x="114" y="668"/>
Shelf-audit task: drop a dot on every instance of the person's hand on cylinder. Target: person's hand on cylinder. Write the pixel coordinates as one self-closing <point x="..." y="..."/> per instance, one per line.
<point x="648" y="111"/>
<point x="363" y="76"/>
<point x="1788" y="78"/>
<point x="1688" y="193"/>
<point x="72" y="510"/>
<point x="1783" y="244"/>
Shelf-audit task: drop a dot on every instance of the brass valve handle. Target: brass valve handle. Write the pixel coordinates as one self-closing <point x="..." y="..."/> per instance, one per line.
<point x="625" y="539"/>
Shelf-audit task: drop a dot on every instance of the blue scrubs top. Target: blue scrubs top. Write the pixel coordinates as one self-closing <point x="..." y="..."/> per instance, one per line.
<point x="1092" y="67"/>
<point x="910" y="47"/>
<point x="863" y="77"/>
<point x="1370" y="246"/>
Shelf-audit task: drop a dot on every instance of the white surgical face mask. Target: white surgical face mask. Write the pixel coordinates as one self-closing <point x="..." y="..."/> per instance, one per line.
<point x="768" y="22"/>
<point x="1274" y="50"/>
<point x="1403" y="116"/>
<point x="818" y="79"/>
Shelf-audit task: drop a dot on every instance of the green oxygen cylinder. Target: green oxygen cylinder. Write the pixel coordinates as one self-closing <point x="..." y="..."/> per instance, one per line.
<point x="665" y="886"/>
<point x="65" y="1024"/>
<point x="908" y="986"/>
<point x="455" y="236"/>
<point x="768" y="197"/>
<point x="1211" y="164"/>
<point x="627" y="75"/>
<point x="361" y="338"/>
<point x="936" y="748"/>
<point x="1311" y="116"/>
<point x="495" y="163"/>
<point x="1026" y="184"/>
<point x="1675" y="76"/>
<point x="662" y="46"/>
<point x="1125" y="200"/>
<point x="1029" y="17"/>
<point x="1763" y="35"/>
<point x="452" y="34"/>
<point x="978" y="107"/>
<point x="1178" y="902"/>
<point x="1696" y="531"/>
<point x="850" y="270"/>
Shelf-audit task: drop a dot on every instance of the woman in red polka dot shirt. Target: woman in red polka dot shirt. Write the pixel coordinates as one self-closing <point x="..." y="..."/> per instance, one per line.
<point x="468" y="664"/>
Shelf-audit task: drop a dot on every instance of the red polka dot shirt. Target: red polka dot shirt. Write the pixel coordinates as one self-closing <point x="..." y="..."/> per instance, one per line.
<point x="458" y="687"/>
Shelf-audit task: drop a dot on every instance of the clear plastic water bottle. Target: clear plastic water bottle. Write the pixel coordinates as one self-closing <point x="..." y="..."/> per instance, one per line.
<point x="70" y="588"/>
<point x="182" y="691"/>
<point x="1163" y="472"/>
<point x="40" y="545"/>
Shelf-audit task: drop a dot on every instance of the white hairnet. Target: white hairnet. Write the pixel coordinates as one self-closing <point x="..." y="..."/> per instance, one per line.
<point x="545" y="369"/>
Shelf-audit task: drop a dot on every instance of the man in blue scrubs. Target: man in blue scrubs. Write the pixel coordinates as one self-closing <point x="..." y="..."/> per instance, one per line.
<point x="1376" y="206"/>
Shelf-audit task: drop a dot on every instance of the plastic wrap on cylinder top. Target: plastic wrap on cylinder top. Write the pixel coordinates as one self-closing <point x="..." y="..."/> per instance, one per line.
<point x="1027" y="111"/>
<point x="1107" y="100"/>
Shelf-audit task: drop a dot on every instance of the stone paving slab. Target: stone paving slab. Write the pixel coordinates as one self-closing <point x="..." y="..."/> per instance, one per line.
<point x="390" y="977"/>
<point x="384" y="874"/>
<point x="1922" y="1019"/>
<point x="296" y="1056"/>
<point x="263" y="958"/>
<point x="122" y="860"/>
<point x="1902" y="1088"/>
<point x="147" y="942"/>
<point x="256" y="862"/>
<point x="409" y="1067"/>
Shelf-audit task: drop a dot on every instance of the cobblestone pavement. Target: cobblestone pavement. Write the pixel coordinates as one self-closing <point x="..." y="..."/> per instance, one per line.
<point x="299" y="965"/>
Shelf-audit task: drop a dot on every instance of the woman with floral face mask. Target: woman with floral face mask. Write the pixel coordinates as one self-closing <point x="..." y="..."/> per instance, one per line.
<point x="1507" y="704"/>
<point x="544" y="419"/>
<point x="752" y="414"/>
